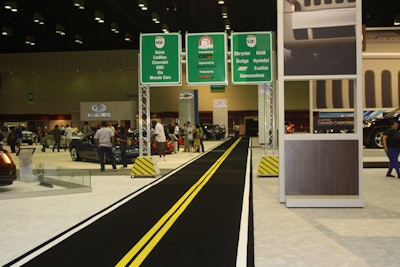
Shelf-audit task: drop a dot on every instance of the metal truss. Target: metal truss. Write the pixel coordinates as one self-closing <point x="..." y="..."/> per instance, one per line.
<point x="144" y="121"/>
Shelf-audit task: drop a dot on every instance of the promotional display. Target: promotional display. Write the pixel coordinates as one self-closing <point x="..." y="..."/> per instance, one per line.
<point x="206" y="61"/>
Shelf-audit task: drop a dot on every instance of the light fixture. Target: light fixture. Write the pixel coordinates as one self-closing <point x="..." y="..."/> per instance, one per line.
<point x="29" y="40"/>
<point x="396" y="20"/>
<point x="99" y="16"/>
<point x="114" y="27"/>
<point x="78" y="39"/>
<point x="142" y="4"/>
<point x="227" y="24"/>
<point x="224" y="12"/>
<point x="221" y="2"/>
<point x="11" y="5"/>
<point x="38" y="18"/>
<point x="60" y="29"/>
<point x="6" y="31"/>
<point x="165" y="28"/>
<point x="128" y="37"/>
<point x="155" y="17"/>
<point x="80" y="4"/>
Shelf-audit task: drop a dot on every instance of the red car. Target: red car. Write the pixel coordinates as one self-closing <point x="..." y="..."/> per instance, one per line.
<point x="169" y="145"/>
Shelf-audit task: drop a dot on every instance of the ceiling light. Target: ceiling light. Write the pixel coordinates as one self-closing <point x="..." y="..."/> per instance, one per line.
<point x="114" y="27"/>
<point x="80" y="4"/>
<point x="155" y="17"/>
<point x="38" y="18"/>
<point x="29" y="40"/>
<point x="11" y="5"/>
<point x="6" y="31"/>
<point x="142" y="4"/>
<point x="227" y="24"/>
<point x="221" y="2"/>
<point x="165" y="28"/>
<point x="78" y="39"/>
<point x="60" y="29"/>
<point x="396" y="20"/>
<point x="224" y="12"/>
<point x="99" y="16"/>
<point x="128" y="37"/>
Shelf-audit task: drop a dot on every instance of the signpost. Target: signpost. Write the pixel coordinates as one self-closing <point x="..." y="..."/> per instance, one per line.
<point x="160" y="59"/>
<point x="251" y="61"/>
<point x="206" y="60"/>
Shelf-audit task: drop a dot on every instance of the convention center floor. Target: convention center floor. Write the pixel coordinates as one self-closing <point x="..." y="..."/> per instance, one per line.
<point x="368" y="236"/>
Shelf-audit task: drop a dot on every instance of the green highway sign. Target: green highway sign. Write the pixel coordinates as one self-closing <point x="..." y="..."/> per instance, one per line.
<point x="206" y="61"/>
<point x="251" y="61"/>
<point x="160" y="59"/>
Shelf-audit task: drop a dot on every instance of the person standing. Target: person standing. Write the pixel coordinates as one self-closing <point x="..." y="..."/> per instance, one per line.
<point x="19" y="134"/>
<point x="122" y="138"/>
<point x="189" y="130"/>
<point x="57" y="138"/>
<point x="201" y="138"/>
<point x="11" y="139"/>
<point x="391" y="145"/>
<point x="86" y="129"/>
<point x="196" y="139"/>
<point x="159" y="135"/>
<point x="68" y="136"/>
<point x="105" y="140"/>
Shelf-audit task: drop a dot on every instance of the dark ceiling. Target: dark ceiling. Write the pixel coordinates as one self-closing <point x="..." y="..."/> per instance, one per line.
<point x="180" y="15"/>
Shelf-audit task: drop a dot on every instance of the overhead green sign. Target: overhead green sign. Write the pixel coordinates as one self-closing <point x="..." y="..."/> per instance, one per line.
<point x="206" y="61"/>
<point x="160" y="59"/>
<point x="251" y="61"/>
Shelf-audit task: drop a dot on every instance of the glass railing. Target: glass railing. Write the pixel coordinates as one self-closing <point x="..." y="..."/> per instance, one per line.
<point x="45" y="180"/>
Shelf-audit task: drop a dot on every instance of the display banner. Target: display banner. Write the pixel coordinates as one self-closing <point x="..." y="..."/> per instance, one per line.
<point x="251" y="58"/>
<point x="206" y="61"/>
<point x="160" y="59"/>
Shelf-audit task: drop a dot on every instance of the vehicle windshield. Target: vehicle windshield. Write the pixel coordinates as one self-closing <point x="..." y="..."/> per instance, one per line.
<point x="392" y="114"/>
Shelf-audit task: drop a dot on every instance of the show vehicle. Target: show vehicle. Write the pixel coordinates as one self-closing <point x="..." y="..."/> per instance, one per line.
<point x="213" y="131"/>
<point x="8" y="170"/>
<point x="86" y="150"/>
<point x="373" y="129"/>
<point x="27" y="136"/>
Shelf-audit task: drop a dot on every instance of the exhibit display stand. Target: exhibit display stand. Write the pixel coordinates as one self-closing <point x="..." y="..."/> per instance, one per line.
<point x="26" y="164"/>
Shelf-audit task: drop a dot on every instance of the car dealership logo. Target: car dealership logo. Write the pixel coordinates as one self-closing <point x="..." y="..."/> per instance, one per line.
<point x="99" y="108"/>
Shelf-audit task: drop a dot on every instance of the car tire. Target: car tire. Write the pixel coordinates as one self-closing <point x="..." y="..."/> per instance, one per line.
<point x="377" y="139"/>
<point x="75" y="154"/>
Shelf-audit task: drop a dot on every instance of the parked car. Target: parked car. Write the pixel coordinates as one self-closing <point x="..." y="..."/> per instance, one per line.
<point x="213" y="131"/>
<point x="8" y="170"/>
<point x="289" y="127"/>
<point x="87" y="150"/>
<point x="27" y="136"/>
<point x="373" y="129"/>
<point x="49" y="139"/>
<point x="169" y="147"/>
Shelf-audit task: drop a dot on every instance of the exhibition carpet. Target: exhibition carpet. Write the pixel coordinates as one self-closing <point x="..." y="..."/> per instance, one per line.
<point x="194" y="217"/>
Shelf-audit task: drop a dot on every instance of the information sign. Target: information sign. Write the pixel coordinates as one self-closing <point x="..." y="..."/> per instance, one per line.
<point x="160" y="59"/>
<point x="251" y="61"/>
<point x="206" y="61"/>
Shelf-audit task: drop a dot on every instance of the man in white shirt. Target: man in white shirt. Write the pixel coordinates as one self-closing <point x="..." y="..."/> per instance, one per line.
<point x="105" y="140"/>
<point x="160" y="138"/>
<point x="68" y="136"/>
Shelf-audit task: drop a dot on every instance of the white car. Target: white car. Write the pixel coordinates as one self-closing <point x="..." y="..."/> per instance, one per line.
<point x="27" y="136"/>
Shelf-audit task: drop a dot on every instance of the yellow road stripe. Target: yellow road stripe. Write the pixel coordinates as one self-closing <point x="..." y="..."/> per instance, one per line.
<point x="154" y="235"/>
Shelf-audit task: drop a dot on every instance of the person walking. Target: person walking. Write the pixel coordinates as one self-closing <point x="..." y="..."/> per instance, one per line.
<point x="159" y="135"/>
<point x="19" y="134"/>
<point x="11" y="139"/>
<point x="122" y="138"/>
<point x="189" y="130"/>
<point x="57" y="138"/>
<point x="201" y="138"/>
<point x="105" y="140"/>
<point x="391" y="145"/>
<point x="68" y="136"/>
